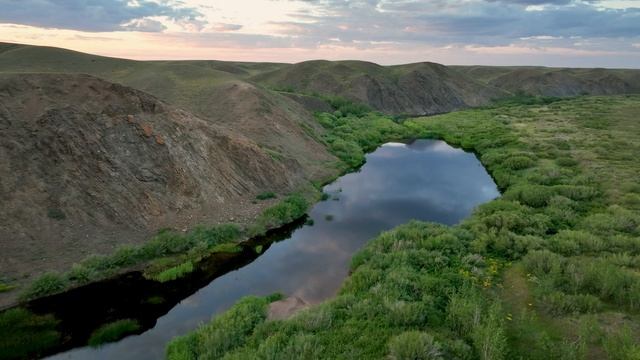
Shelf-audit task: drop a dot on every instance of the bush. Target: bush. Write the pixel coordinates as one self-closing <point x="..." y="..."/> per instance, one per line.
<point x="113" y="331"/>
<point x="570" y="242"/>
<point x="518" y="162"/>
<point x="47" y="284"/>
<point x="489" y="336"/>
<point x="347" y="151"/>
<point x="559" y="303"/>
<point x="175" y="272"/>
<point x="226" y="332"/>
<point x="414" y="345"/>
<point x="621" y="345"/>
<point x="24" y="335"/>
<point x="531" y="195"/>
<point x="566" y="162"/>
<point x="291" y="208"/>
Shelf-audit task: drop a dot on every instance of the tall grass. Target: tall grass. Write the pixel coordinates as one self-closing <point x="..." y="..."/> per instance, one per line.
<point x="166" y="243"/>
<point x="113" y="331"/>
<point x="24" y="334"/>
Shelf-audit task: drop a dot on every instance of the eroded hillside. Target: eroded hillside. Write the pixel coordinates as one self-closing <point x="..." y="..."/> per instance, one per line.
<point x="88" y="164"/>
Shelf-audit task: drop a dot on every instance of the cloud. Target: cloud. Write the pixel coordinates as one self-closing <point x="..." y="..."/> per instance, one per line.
<point x="144" y="25"/>
<point x="224" y="27"/>
<point x="459" y="21"/>
<point x="534" y="2"/>
<point x="97" y="15"/>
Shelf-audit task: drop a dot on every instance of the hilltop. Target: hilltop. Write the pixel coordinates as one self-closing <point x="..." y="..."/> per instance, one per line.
<point x="413" y="89"/>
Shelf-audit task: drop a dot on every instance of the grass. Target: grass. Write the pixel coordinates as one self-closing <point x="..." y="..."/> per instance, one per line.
<point x="5" y="287"/>
<point x="200" y="242"/>
<point x="289" y="209"/>
<point x="25" y="335"/>
<point x="175" y="272"/>
<point x="113" y="331"/>
<point x="167" y="255"/>
<point x="565" y="236"/>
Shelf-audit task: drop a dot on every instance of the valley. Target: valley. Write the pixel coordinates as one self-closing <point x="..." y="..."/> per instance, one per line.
<point x="175" y="176"/>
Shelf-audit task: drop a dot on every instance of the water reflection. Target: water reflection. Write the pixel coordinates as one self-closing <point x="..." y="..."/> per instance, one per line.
<point x="424" y="180"/>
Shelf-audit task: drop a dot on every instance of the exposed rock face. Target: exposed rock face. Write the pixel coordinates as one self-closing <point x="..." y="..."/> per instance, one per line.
<point x="87" y="164"/>
<point x="285" y="308"/>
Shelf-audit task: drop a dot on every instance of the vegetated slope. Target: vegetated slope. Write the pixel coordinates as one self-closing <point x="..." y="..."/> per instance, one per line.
<point x="556" y="81"/>
<point x="87" y="164"/>
<point x="212" y="90"/>
<point x="415" y="89"/>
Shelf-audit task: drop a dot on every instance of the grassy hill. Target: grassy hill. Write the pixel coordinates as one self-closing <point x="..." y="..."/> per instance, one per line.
<point x="212" y="90"/>
<point x="544" y="81"/>
<point x="413" y="89"/>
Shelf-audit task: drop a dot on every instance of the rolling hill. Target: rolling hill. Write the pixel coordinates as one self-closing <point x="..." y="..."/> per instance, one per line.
<point x="560" y="82"/>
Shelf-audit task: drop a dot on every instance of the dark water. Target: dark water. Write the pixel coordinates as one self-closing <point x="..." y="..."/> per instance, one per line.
<point x="425" y="180"/>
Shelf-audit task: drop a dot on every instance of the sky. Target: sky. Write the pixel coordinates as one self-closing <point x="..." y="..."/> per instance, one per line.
<point x="577" y="33"/>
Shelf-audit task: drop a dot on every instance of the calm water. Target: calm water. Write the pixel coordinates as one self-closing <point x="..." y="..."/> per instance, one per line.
<point x="424" y="180"/>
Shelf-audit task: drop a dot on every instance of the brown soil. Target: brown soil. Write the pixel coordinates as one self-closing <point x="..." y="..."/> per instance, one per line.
<point x="285" y="308"/>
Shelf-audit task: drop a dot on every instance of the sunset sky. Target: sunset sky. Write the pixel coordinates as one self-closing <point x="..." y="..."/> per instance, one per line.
<point x="491" y="32"/>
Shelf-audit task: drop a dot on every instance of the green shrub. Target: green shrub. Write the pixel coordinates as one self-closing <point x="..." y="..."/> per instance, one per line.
<point x="291" y="208"/>
<point x="566" y="162"/>
<point x="559" y="303"/>
<point x="414" y="345"/>
<point x="464" y="312"/>
<point x="226" y="332"/>
<point x="571" y="242"/>
<point x="542" y="262"/>
<point x="518" y="162"/>
<point x="212" y="236"/>
<point x="47" y="284"/>
<point x="531" y="195"/>
<point x="175" y="272"/>
<point x="347" y="151"/>
<point x="113" y="331"/>
<point x="25" y="335"/>
<point x="5" y="287"/>
<point x="622" y="345"/>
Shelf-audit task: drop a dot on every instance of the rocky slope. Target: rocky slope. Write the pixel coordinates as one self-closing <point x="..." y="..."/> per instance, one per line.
<point x="87" y="164"/>
<point x="415" y="89"/>
<point x="556" y="81"/>
<point x="212" y="90"/>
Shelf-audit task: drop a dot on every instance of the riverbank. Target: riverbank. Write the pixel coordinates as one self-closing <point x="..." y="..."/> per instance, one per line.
<point x="569" y="218"/>
<point x="164" y="256"/>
